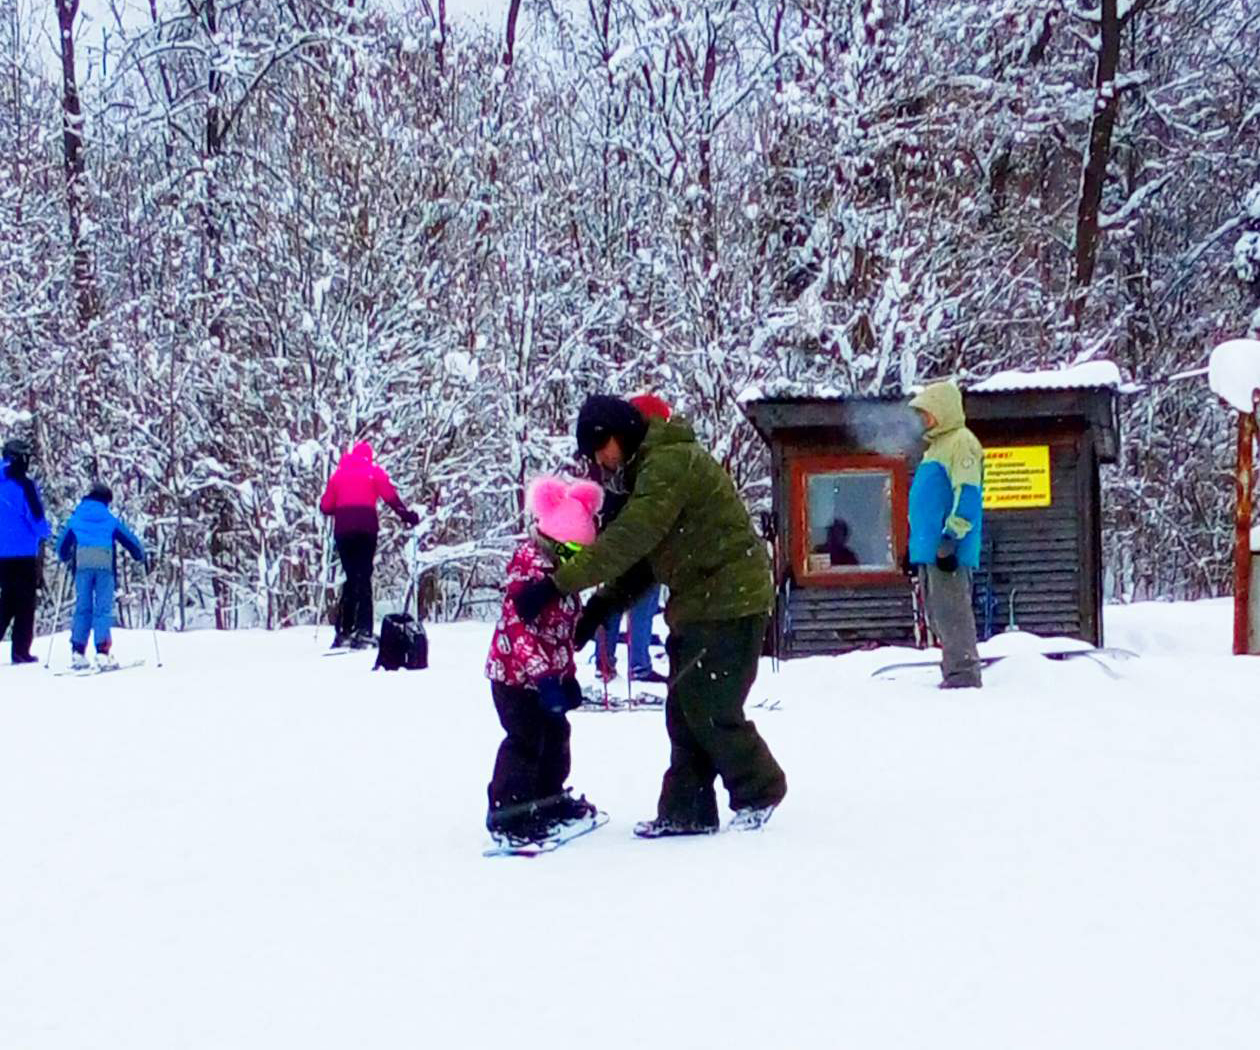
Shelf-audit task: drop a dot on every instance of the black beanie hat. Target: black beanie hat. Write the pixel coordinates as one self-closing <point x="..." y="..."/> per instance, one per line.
<point x="101" y="493"/>
<point x="602" y="417"/>
<point x="17" y="448"/>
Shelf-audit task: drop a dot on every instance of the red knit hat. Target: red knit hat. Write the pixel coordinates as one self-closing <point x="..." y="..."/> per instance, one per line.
<point x="565" y="513"/>
<point x="650" y="406"/>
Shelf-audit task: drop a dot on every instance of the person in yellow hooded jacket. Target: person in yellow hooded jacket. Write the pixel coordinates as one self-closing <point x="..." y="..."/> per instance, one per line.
<point x="946" y="515"/>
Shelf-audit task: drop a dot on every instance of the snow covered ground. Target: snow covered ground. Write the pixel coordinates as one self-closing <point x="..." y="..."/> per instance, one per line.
<point x="257" y="847"/>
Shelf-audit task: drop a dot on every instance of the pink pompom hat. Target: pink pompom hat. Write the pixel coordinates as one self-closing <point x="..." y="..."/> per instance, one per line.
<point x="565" y="512"/>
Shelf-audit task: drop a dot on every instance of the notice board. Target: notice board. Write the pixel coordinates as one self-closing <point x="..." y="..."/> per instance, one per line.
<point x="1016" y="477"/>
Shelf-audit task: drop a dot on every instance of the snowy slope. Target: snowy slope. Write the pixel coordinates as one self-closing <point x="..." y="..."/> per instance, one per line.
<point x="256" y="847"/>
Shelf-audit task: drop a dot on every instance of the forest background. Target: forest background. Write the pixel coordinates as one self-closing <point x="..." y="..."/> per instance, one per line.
<point x="237" y="235"/>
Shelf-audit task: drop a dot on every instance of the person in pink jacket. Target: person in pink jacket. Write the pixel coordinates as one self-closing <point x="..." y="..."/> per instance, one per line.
<point x="350" y="500"/>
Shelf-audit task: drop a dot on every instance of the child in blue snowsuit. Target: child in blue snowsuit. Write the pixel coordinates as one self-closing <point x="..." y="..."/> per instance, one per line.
<point x="87" y="543"/>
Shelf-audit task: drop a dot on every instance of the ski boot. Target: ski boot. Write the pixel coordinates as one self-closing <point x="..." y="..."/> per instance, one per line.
<point x="106" y="661"/>
<point x="79" y="661"/>
<point x="652" y="676"/>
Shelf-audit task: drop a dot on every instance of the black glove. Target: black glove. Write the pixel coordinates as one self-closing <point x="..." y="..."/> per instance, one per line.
<point x="410" y="517"/>
<point x="594" y="615"/>
<point x="534" y="597"/>
<point x="557" y="695"/>
<point x="947" y="554"/>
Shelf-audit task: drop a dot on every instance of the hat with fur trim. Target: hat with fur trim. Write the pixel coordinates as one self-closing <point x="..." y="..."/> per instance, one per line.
<point x="564" y="512"/>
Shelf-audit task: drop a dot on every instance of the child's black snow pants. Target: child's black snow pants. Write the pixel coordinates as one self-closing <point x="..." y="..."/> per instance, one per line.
<point x="533" y="760"/>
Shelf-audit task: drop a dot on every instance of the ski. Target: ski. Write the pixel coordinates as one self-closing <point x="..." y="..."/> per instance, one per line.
<point x="88" y="672"/>
<point x="988" y="661"/>
<point x="593" y="701"/>
<point x="552" y="842"/>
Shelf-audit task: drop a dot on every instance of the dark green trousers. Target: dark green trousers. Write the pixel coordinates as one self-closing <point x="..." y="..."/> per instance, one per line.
<point x="712" y="667"/>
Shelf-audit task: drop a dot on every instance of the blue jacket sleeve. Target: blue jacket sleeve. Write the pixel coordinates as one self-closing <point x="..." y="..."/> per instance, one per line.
<point x="128" y="540"/>
<point x="966" y="511"/>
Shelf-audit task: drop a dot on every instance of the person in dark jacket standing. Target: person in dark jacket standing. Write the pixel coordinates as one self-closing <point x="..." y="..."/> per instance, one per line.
<point x="684" y="526"/>
<point x="946" y="512"/>
<point x="23" y="526"/>
<point x="350" y="499"/>
<point x="86" y="543"/>
<point x="642" y="612"/>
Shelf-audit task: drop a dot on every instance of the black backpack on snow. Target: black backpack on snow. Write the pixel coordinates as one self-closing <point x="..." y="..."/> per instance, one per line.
<point x="403" y="644"/>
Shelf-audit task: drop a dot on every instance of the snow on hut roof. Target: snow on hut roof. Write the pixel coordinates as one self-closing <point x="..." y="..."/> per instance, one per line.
<point x="1234" y="372"/>
<point x="1091" y="374"/>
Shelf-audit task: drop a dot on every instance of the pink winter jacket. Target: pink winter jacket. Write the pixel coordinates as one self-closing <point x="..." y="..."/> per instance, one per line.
<point x="353" y="490"/>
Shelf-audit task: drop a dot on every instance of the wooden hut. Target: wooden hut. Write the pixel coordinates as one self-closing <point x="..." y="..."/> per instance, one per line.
<point x="842" y="468"/>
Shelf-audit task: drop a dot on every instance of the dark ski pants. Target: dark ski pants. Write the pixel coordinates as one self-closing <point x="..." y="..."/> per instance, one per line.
<point x="18" y="578"/>
<point x="953" y="621"/>
<point x="533" y="760"/>
<point x="357" y="551"/>
<point x="712" y="667"/>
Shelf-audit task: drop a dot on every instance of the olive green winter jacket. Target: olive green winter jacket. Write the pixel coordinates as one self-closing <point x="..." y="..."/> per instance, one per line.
<point x="686" y="520"/>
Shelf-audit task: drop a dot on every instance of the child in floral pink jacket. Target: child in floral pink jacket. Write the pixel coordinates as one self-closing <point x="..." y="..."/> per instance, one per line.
<point x="532" y="672"/>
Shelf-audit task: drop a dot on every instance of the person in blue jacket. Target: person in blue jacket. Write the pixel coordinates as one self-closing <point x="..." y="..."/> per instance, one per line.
<point x="946" y="512"/>
<point x="23" y="527"/>
<point x="87" y="543"/>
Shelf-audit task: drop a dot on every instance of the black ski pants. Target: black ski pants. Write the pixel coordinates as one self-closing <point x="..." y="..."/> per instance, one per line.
<point x="533" y="760"/>
<point x="712" y="667"/>
<point x="358" y="552"/>
<point x="18" y="578"/>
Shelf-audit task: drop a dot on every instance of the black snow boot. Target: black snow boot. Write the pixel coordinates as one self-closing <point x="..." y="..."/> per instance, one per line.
<point x="659" y="829"/>
<point x="570" y="810"/>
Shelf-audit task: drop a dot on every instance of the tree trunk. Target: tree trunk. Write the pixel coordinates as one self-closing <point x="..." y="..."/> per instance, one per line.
<point x="1094" y="176"/>
<point x="74" y="166"/>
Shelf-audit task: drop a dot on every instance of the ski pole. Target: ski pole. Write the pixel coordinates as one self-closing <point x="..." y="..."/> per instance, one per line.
<point x="629" y="656"/>
<point x="52" y="635"/>
<point x="157" y="653"/>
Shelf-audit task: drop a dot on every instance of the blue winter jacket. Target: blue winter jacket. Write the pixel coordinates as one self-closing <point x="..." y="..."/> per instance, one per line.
<point x="946" y="496"/>
<point x="22" y="520"/>
<point x="87" y="539"/>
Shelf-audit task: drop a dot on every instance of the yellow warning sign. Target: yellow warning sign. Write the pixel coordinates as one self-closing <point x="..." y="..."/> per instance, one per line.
<point x="1017" y="477"/>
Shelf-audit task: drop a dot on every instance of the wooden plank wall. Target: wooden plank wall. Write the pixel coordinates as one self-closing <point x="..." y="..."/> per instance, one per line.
<point x="1045" y="555"/>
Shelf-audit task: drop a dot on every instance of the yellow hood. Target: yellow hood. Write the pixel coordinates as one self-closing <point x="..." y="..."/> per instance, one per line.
<point x="944" y="401"/>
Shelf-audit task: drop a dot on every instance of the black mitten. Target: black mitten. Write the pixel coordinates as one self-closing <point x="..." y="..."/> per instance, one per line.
<point x="594" y="614"/>
<point x="552" y="696"/>
<point x="947" y="554"/>
<point x="534" y="597"/>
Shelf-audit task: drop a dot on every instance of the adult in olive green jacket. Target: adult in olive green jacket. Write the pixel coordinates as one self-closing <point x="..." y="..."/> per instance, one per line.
<point x="685" y="526"/>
